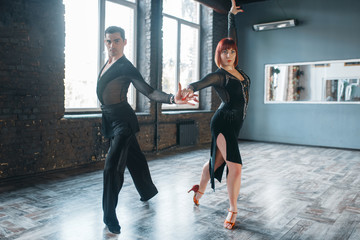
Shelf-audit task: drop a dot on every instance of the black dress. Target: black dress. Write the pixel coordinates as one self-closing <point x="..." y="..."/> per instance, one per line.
<point x="229" y="117"/>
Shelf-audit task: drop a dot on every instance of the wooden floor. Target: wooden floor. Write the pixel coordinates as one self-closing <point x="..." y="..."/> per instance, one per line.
<point x="288" y="192"/>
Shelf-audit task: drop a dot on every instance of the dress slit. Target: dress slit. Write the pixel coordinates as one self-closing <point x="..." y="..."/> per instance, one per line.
<point x="219" y="171"/>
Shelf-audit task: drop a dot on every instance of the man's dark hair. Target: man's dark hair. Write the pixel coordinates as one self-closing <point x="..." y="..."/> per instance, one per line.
<point x="115" y="29"/>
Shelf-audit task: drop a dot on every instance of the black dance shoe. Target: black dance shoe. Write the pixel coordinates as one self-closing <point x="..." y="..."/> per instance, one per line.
<point x="149" y="196"/>
<point x="114" y="228"/>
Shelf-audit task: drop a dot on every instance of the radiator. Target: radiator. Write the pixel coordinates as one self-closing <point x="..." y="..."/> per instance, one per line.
<point x="186" y="133"/>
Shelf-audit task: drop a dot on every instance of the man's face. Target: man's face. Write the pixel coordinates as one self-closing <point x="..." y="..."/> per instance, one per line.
<point x="115" y="44"/>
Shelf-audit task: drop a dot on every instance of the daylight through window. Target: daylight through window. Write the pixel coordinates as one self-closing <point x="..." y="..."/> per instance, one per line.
<point x="181" y="33"/>
<point x="82" y="47"/>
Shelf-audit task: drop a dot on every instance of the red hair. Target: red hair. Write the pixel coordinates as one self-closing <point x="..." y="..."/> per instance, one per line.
<point x="224" y="44"/>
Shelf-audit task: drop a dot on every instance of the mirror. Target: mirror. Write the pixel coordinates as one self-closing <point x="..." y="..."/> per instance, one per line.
<point x="326" y="82"/>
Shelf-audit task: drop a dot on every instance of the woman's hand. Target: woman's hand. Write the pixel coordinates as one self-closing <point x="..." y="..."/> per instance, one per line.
<point x="235" y="9"/>
<point x="183" y="96"/>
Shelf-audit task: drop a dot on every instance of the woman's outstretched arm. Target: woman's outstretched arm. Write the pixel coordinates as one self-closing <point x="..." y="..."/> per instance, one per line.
<point x="231" y="20"/>
<point x="211" y="80"/>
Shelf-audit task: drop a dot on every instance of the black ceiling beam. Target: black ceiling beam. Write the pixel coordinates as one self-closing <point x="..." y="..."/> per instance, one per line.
<point x="223" y="6"/>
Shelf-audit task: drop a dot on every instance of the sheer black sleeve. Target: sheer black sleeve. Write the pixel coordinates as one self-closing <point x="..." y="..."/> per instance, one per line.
<point x="153" y="94"/>
<point x="232" y="27"/>
<point x="215" y="79"/>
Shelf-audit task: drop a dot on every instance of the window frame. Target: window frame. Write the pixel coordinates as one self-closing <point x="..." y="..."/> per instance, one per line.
<point x="102" y="53"/>
<point x="103" y="57"/>
<point x="197" y="26"/>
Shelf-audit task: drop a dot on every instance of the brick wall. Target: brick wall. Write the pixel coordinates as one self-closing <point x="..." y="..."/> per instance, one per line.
<point x="34" y="135"/>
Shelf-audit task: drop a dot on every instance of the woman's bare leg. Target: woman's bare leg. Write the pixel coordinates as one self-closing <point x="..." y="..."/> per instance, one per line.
<point x="204" y="179"/>
<point x="233" y="180"/>
<point x="233" y="187"/>
<point x="205" y="175"/>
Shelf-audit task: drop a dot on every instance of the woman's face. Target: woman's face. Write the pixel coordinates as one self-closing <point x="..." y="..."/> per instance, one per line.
<point x="227" y="58"/>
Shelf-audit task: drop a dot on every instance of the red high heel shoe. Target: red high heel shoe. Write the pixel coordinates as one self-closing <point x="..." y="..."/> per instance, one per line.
<point x="229" y="224"/>
<point x="195" y="188"/>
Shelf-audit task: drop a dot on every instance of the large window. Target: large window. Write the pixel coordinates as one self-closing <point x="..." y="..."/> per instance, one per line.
<point x="81" y="53"/>
<point x="84" y="49"/>
<point x="123" y="14"/>
<point x="181" y="52"/>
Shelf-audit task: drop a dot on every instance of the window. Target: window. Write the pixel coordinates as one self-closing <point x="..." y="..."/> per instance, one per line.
<point x="181" y="51"/>
<point x="84" y="43"/>
<point x="81" y="53"/>
<point x="123" y="14"/>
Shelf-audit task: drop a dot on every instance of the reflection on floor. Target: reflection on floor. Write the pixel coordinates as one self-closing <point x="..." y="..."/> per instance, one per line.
<point x="288" y="192"/>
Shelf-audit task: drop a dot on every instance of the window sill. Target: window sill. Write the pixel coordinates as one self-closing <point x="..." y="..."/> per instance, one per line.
<point x="93" y="115"/>
<point x="98" y="115"/>
<point x="82" y="115"/>
<point x="185" y="111"/>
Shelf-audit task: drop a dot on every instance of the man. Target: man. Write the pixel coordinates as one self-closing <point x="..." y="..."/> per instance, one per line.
<point x="119" y="123"/>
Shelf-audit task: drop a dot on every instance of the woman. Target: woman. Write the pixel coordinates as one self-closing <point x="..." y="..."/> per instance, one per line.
<point x="232" y="86"/>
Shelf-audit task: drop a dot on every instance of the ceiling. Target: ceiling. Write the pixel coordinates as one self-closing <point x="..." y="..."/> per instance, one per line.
<point x="223" y="6"/>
